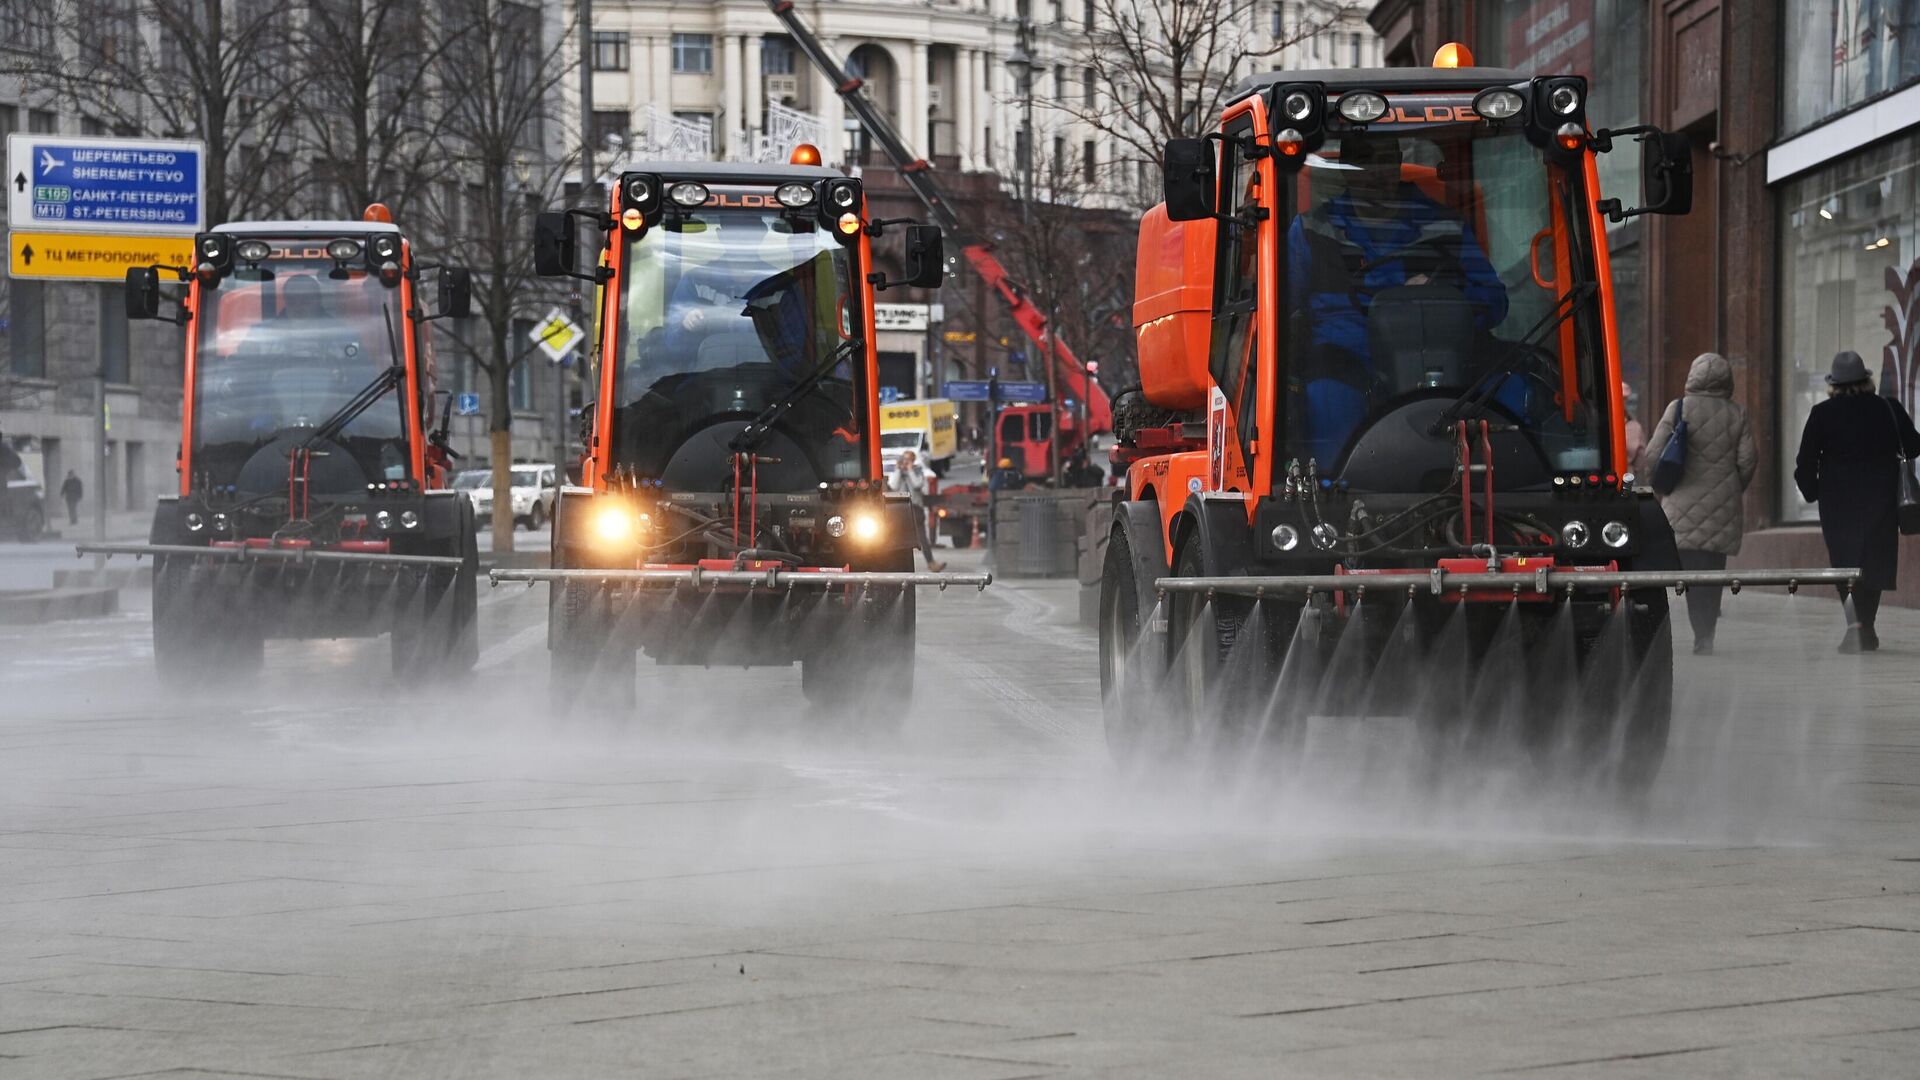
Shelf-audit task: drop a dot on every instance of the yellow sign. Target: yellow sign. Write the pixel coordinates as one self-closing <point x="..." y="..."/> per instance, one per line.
<point x="557" y="335"/>
<point x="958" y="337"/>
<point x="89" y="256"/>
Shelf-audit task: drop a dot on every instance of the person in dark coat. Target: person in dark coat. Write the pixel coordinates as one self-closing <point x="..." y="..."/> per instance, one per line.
<point x="1849" y="464"/>
<point x="71" y="490"/>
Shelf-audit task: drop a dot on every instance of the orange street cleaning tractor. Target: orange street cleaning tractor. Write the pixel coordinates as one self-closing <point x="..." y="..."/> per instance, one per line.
<point x="733" y="509"/>
<point x="312" y="499"/>
<point x="1377" y="313"/>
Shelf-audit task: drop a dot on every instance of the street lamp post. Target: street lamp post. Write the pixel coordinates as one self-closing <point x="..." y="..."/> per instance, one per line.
<point x="1024" y="64"/>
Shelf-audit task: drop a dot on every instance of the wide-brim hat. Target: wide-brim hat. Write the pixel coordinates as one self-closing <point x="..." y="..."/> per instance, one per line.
<point x="1847" y="368"/>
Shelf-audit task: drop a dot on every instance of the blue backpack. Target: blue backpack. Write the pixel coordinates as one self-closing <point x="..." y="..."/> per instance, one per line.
<point x="1673" y="459"/>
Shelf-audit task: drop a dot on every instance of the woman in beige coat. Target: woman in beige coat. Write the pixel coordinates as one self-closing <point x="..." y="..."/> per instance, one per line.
<point x="1705" y="509"/>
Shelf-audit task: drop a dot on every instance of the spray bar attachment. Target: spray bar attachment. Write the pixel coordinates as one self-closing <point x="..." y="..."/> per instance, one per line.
<point x="774" y="578"/>
<point x="266" y="554"/>
<point x="1543" y="581"/>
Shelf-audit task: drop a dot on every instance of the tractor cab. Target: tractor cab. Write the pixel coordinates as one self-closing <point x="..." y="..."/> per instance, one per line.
<point x="732" y="505"/>
<point x="309" y="372"/>
<point x="1396" y="254"/>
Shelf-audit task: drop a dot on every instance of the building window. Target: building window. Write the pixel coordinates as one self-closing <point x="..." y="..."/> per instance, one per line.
<point x="611" y="128"/>
<point x="1089" y="161"/>
<point x="693" y="54"/>
<point x="609" y="50"/>
<point x="777" y="57"/>
<point x="986" y="146"/>
<point x="1353" y="54"/>
<point x="1088" y="17"/>
<point x="1086" y="86"/>
<point x="1840" y="53"/>
<point x="42" y="122"/>
<point x="1849" y="235"/>
<point x="1279" y="18"/>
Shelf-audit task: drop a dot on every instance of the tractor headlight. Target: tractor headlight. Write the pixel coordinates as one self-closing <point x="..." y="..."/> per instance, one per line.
<point x="1499" y="103"/>
<point x="220" y="523"/>
<point x="253" y="251"/>
<point x="1286" y="537"/>
<point x="1362" y="106"/>
<point x="614" y="523"/>
<point x="195" y="523"/>
<point x="794" y="195"/>
<point x="383" y="518"/>
<point x="836" y="526"/>
<point x="1297" y="106"/>
<point x="1325" y="536"/>
<point x="1564" y="99"/>
<point x="689" y="193"/>
<point x="1575" y="534"/>
<point x="1615" y="535"/>
<point x="866" y="526"/>
<point x="409" y="519"/>
<point x="343" y="250"/>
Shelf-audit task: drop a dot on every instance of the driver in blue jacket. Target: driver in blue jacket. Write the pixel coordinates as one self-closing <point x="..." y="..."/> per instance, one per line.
<point x="1380" y="233"/>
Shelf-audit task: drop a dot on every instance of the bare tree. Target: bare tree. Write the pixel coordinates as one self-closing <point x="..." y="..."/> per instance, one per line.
<point x="501" y="68"/>
<point x="219" y="71"/>
<point x="1161" y="69"/>
<point x="372" y="119"/>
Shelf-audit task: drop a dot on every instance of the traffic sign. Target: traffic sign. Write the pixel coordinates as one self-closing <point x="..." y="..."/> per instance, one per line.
<point x="467" y="403"/>
<point x="73" y="183"/>
<point x="557" y="335"/>
<point x="958" y="390"/>
<point x="1022" y="391"/>
<point x="91" y="256"/>
<point x="889" y="394"/>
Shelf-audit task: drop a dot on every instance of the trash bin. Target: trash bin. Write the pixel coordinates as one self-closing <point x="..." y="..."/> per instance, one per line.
<point x="1039" y="539"/>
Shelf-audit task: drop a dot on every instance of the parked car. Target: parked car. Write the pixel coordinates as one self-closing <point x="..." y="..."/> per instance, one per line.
<point x="533" y="493"/>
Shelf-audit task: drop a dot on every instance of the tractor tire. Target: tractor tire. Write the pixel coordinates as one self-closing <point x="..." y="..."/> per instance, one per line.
<point x="1133" y="413"/>
<point x="589" y="672"/>
<point x="1222" y="667"/>
<point x="1130" y="673"/>
<point x="436" y="635"/>
<point x="199" y="639"/>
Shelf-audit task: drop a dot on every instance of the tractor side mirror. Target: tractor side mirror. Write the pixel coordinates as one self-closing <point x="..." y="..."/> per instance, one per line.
<point x="1666" y="173"/>
<point x="926" y="257"/>
<point x="1191" y="186"/>
<point x="456" y="293"/>
<point x="555" y="251"/>
<point x="143" y="292"/>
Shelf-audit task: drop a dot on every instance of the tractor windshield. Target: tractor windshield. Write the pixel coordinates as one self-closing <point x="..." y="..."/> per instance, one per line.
<point x="1434" y="273"/>
<point x="278" y="351"/>
<point x="722" y="313"/>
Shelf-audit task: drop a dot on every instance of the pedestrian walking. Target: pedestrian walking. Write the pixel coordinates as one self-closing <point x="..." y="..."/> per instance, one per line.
<point x="911" y="477"/>
<point x="1849" y="464"/>
<point x="1705" y="507"/>
<point x="71" y="490"/>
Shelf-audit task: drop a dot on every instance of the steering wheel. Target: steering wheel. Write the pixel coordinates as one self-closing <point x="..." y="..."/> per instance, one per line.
<point x="1357" y="287"/>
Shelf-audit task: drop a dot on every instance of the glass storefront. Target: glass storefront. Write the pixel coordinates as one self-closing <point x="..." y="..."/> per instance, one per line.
<point x="1839" y="53"/>
<point x="1849" y="237"/>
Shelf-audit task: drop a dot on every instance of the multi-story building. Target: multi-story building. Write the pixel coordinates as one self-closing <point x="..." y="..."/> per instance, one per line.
<point x="1805" y="233"/>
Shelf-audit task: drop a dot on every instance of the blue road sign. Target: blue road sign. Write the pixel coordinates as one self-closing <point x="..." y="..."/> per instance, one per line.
<point x="889" y="395"/>
<point x="958" y="390"/>
<point x="1022" y="391"/>
<point x="467" y="404"/>
<point x="78" y="184"/>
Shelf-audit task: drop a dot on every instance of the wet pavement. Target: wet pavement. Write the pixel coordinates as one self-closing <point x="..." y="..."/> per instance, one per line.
<point x="329" y="874"/>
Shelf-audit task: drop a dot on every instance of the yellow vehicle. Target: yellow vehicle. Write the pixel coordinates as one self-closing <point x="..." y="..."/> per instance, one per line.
<point x="928" y="428"/>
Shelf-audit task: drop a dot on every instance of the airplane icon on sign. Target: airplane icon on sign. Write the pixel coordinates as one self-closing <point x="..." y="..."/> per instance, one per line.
<point x="48" y="162"/>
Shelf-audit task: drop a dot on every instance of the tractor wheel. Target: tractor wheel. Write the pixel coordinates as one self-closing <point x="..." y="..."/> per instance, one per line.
<point x="435" y="625"/>
<point x="1130" y="673"/>
<point x="1224" y="659"/>
<point x="198" y="639"/>
<point x="587" y="669"/>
